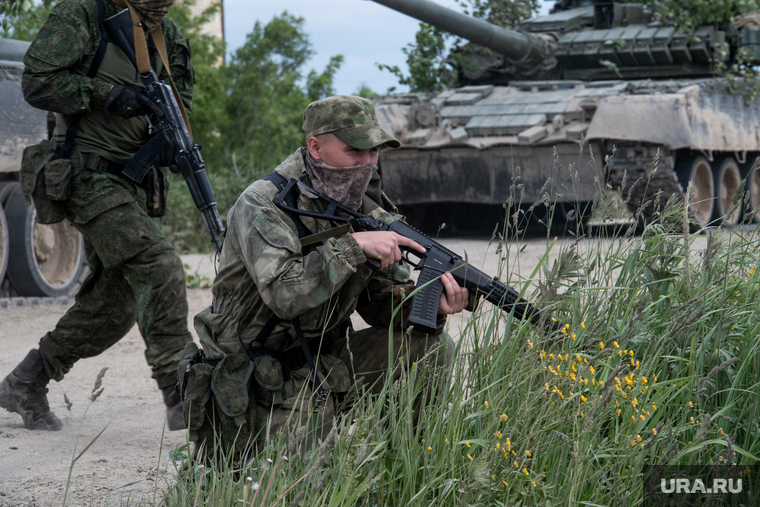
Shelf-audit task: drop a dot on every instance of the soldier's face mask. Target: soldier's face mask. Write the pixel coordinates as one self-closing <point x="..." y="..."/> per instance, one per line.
<point x="344" y="184"/>
<point x="151" y="12"/>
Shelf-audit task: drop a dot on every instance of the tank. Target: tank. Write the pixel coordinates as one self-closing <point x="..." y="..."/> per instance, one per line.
<point x="35" y="260"/>
<point x="599" y="73"/>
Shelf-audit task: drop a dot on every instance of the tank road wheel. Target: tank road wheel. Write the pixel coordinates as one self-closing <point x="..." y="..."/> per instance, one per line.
<point x="751" y="172"/>
<point x="727" y="181"/>
<point x="44" y="260"/>
<point x="698" y="171"/>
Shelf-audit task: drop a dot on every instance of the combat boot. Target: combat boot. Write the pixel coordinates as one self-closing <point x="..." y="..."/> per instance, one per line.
<point x="175" y="407"/>
<point x="23" y="391"/>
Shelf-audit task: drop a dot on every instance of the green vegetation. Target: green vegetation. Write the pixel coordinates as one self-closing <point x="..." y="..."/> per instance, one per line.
<point x="688" y="15"/>
<point x="246" y="113"/>
<point x="22" y="19"/>
<point x="655" y="364"/>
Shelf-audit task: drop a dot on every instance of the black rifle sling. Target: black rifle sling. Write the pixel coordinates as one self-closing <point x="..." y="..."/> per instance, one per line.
<point x="71" y="130"/>
<point x="279" y="181"/>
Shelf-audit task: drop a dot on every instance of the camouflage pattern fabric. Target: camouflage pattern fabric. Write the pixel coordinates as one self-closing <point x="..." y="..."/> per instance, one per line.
<point x="55" y="78"/>
<point x="135" y="276"/>
<point x="346" y="185"/>
<point x="151" y="12"/>
<point x="262" y="270"/>
<point x="351" y="119"/>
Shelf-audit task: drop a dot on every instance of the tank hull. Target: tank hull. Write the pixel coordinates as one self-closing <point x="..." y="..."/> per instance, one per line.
<point x="469" y="142"/>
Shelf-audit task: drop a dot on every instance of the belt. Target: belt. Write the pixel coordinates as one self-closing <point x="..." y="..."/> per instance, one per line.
<point x="95" y="162"/>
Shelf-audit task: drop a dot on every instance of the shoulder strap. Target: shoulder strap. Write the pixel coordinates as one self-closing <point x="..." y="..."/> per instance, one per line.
<point x="279" y="181"/>
<point x="71" y="130"/>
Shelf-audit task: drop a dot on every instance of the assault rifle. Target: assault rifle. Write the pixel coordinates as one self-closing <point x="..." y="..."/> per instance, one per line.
<point x="436" y="261"/>
<point x="170" y="131"/>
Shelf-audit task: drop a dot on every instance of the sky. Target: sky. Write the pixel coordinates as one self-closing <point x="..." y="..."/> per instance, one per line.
<point x="364" y="32"/>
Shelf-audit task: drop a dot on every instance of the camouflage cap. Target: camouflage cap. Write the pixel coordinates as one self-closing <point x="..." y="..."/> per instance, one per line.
<point x="352" y="120"/>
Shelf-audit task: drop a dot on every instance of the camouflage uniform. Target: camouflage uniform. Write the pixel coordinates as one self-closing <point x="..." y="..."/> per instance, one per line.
<point x="135" y="273"/>
<point x="263" y="270"/>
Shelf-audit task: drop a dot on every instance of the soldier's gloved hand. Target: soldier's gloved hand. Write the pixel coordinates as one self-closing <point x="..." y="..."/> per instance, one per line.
<point x="128" y="101"/>
<point x="166" y="156"/>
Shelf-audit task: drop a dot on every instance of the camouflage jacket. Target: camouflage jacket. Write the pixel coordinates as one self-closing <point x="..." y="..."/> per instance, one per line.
<point x="55" y="77"/>
<point x="262" y="270"/>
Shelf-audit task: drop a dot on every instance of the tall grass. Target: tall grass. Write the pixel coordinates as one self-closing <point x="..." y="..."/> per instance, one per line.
<point x="657" y="363"/>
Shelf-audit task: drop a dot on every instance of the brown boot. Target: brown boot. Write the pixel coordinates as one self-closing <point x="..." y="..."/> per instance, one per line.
<point x="175" y="417"/>
<point x="23" y="391"/>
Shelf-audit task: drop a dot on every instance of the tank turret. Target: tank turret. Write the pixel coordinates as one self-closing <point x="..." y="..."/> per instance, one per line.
<point x="603" y="39"/>
<point x="642" y="95"/>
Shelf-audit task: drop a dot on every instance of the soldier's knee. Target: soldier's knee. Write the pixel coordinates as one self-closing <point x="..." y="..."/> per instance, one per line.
<point x="163" y="262"/>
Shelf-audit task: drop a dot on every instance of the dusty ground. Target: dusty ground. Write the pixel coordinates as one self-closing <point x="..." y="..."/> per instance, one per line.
<point x="122" y="464"/>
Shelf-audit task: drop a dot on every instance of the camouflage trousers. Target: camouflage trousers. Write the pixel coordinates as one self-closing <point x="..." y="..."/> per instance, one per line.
<point x="363" y="354"/>
<point x="135" y="276"/>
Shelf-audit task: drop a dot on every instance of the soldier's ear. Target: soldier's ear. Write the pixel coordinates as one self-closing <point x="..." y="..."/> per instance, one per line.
<point x="314" y="147"/>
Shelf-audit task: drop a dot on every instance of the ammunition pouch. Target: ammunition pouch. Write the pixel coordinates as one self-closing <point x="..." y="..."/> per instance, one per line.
<point x="46" y="180"/>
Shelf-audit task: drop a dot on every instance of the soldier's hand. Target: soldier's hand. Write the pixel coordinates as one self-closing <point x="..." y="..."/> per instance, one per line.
<point x="384" y="246"/>
<point x="454" y="298"/>
<point x="128" y="101"/>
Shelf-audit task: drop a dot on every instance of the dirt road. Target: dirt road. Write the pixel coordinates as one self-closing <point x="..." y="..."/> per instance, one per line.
<point x="130" y="458"/>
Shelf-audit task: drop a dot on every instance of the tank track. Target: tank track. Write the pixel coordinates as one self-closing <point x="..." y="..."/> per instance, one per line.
<point x="29" y="302"/>
<point x="639" y="179"/>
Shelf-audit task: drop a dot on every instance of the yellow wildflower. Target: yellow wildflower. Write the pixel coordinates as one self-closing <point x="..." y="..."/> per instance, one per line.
<point x="592" y="370"/>
<point x="447" y="441"/>
<point x="505" y="483"/>
<point x="691" y="405"/>
<point x="467" y="443"/>
<point x="630" y="353"/>
<point x="583" y="325"/>
<point x="573" y="336"/>
<point x="534" y="483"/>
<point x="525" y="471"/>
<point x="642" y="417"/>
<point x="504" y="417"/>
<point x="517" y="465"/>
<point x="601" y="383"/>
<point x="615" y="344"/>
<point x="583" y="398"/>
<point x="527" y="453"/>
<point x="430" y="448"/>
<point x="469" y="457"/>
<point x="498" y="444"/>
<point x="499" y="435"/>
<point x="546" y="386"/>
<point x="486" y="405"/>
<point x="654" y="407"/>
<point x="601" y="345"/>
<point x="654" y="431"/>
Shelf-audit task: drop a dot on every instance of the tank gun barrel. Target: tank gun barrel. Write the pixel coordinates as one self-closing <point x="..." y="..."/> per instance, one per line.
<point x="514" y="45"/>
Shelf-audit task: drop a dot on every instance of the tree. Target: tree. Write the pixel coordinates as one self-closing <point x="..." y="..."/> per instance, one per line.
<point x="247" y="114"/>
<point x="22" y="20"/>
<point x="430" y="69"/>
